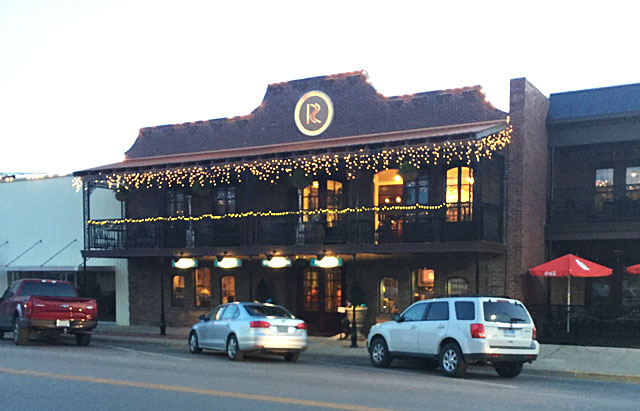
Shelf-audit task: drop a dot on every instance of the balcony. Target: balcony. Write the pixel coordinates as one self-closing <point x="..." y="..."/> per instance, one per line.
<point x="413" y="226"/>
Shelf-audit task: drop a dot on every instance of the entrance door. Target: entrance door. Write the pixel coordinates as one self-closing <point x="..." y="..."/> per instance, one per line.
<point x="322" y="295"/>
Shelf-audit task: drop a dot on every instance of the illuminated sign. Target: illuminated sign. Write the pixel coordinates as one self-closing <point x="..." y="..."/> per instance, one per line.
<point x="313" y="113"/>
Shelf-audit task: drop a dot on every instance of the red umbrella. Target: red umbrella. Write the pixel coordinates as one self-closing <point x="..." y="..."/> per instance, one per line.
<point x="634" y="269"/>
<point x="570" y="266"/>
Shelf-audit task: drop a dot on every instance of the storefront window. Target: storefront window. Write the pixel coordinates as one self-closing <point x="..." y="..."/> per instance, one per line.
<point x="177" y="291"/>
<point x="422" y="281"/>
<point x="459" y="194"/>
<point x="333" y="290"/>
<point x="311" y="290"/>
<point x="457" y="286"/>
<point x="203" y="287"/>
<point x="228" y="289"/>
<point x="389" y="295"/>
<point x="633" y="183"/>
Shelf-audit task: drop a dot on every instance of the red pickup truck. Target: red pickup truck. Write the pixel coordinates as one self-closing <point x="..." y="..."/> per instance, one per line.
<point x="46" y="306"/>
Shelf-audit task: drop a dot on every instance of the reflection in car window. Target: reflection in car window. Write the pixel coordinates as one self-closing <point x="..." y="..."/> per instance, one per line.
<point x="268" y="311"/>
<point x="505" y="312"/>
<point x="438" y="311"/>
<point x="216" y="313"/>
<point x="414" y="313"/>
<point x="230" y="313"/>
<point x="465" y="310"/>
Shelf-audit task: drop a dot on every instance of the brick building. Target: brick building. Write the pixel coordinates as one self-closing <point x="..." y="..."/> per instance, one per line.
<point x="422" y="195"/>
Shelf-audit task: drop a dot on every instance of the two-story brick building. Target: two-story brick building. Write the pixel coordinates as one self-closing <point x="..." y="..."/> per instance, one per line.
<point x="428" y="194"/>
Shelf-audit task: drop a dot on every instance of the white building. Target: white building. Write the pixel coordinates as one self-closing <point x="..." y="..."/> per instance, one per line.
<point x="41" y="236"/>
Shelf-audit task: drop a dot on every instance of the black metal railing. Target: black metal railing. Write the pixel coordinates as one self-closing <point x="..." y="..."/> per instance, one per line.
<point x="401" y="226"/>
<point x="611" y="203"/>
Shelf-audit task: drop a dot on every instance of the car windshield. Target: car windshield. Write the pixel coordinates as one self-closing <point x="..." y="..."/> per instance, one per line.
<point x="47" y="289"/>
<point x="268" y="311"/>
<point x="505" y="312"/>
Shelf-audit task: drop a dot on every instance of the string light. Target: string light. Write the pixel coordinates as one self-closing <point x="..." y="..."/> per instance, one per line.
<point x="270" y="214"/>
<point x="273" y="170"/>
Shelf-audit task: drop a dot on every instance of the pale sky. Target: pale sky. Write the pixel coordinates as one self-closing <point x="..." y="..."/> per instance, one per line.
<point x="78" y="79"/>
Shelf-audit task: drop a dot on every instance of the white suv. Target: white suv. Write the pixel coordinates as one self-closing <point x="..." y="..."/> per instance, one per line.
<point x="459" y="331"/>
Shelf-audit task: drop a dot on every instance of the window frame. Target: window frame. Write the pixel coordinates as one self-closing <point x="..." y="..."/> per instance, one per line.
<point x="394" y="307"/>
<point x="175" y="301"/>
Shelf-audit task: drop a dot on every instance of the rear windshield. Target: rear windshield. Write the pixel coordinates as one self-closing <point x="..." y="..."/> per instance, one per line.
<point x="47" y="289"/>
<point x="505" y="312"/>
<point x="268" y="311"/>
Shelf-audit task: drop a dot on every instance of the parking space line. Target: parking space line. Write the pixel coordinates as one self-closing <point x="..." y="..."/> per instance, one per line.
<point x="190" y="390"/>
<point x="113" y="347"/>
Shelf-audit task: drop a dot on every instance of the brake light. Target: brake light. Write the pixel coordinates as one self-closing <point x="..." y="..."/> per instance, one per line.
<point x="259" y="324"/>
<point x="533" y="333"/>
<point x="477" y="331"/>
<point x="301" y="326"/>
<point x="28" y="306"/>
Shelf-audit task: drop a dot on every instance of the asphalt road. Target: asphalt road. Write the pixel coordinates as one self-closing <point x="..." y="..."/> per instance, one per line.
<point x="119" y="375"/>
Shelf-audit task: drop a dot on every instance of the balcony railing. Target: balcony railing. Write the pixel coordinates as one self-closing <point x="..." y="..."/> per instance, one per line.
<point x="595" y="204"/>
<point x="412" y="226"/>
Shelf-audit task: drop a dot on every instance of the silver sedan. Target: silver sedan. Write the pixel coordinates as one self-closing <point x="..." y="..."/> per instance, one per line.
<point x="240" y="328"/>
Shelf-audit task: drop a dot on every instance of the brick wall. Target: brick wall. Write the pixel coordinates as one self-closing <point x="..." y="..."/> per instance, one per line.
<point x="526" y="191"/>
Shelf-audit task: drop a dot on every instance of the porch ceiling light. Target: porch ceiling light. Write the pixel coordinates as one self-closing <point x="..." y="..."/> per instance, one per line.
<point x="326" y="262"/>
<point x="228" y="262"/>
<point x="277" y="262"/>
<point x="184" y="263"/>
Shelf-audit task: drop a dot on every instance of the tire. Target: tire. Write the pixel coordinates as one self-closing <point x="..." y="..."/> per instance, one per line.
<point x="83" y="339"/>
<point x="233" y="352"/>
<point x="508" y="369"/>
<point x="1" y="334"/>
<point x="451" y="362"/>
<point x="379" y="353"/>
<point x="292" y="356"/>
<point x="194" y="348"/>
<point x="20" y="334"/>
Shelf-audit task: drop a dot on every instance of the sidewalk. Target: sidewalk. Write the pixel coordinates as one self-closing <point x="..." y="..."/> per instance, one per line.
<point x="614" y="364"/>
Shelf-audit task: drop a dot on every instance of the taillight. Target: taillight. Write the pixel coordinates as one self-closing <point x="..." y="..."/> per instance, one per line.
<point x="301" y="326"/>
<point x="259" y="324"/>
<point x="477" y="331"/>
<point x="28" y="306"/>
<point x="533" y="333"/>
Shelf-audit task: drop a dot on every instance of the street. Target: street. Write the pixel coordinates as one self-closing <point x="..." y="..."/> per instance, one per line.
<point x="117" y="375"/>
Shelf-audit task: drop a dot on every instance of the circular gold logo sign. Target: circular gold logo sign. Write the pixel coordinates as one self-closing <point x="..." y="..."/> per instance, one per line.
<point x="314" y="113"/>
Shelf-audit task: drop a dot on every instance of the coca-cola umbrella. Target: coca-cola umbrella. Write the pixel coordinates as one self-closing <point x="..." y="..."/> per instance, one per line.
<point x="634" y="269"/>
<point x="570" y="266"/>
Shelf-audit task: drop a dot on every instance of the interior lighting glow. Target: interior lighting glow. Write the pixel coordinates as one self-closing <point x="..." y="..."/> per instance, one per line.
<point x="277" y="262"/>
<point x="184" y="263"/>
<point x="228" y="262"/>
<point x="327" y="262"/>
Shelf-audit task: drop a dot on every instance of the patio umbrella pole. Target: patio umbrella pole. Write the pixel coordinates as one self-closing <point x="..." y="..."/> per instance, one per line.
<point x="568" y="303"/>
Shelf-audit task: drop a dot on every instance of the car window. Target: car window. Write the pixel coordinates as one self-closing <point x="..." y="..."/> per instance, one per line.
<point x="414" y="313"/>
<point x="230" y="313"/>
<point x="465" y="310"/>
<point x="47" y="289"/>
<point x="216" y="312"/>
<point x="505" y="311"/>
<point x="268" y="311"/>
<point x="438" y="311"/>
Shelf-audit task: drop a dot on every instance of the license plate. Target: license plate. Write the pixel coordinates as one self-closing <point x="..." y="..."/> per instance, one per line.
<point x="509" y="333"/>
<point x="62" y="323"/>
<point x="282" y="328"/>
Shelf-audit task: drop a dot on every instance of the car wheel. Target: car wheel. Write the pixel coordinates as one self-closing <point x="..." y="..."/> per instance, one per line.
<point x="1" y="334"/>
<point x="292" y="356"/>
<point x="83" y="339"/>
<point x="233" y="352"/>
<point x="194" y="348"/>
<point x="20" y="334"/>
<point x="379" y="353"/>
<point x="451" y="361"/>
<point x="508" y="369"/>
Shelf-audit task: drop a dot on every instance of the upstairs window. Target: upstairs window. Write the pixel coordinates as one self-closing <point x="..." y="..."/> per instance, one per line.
<point x="417" y="191"/>
<point x="459" y="194"/>
<point x="632" y="183"/>
<point x="225" y="200"/>
<point x="604" y="187"/>
<point x="176" y="203"/>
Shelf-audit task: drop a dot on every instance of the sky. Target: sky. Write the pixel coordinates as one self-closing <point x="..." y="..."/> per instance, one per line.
<point x="78" y="79"/>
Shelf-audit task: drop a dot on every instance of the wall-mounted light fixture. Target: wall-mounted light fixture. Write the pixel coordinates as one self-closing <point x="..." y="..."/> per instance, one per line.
<point x="277" y="262"/>
<point x="184" y="263"/>
<point x="326" y="262"/>
<point x="227" y="262"/>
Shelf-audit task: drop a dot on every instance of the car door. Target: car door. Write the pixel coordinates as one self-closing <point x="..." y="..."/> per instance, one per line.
<point x="434" y="327"/>
<point x="221" y="329"/>
<point x="206" y="327"/>
<point x="404" y="334"/>
<point x="7" y="307"/>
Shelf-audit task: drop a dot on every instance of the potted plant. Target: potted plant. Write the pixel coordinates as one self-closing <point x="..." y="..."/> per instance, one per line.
<point x="123" y="194"/>
<point x="408" y="171"/>
<point x="201" y="189"/>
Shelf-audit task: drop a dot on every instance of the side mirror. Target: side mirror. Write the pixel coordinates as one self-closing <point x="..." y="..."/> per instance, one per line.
<point x="397" y="318"/>
<point x="203" y="317"/>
